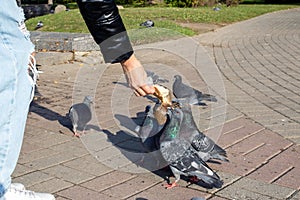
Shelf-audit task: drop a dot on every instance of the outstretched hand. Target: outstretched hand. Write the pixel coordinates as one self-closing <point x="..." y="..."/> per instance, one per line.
<point x="136" y="77"/>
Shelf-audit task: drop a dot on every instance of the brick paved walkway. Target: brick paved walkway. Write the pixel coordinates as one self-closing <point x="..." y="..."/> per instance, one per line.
<point x="253" y="70"/>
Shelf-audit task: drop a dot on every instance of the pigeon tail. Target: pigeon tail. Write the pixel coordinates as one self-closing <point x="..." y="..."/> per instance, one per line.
<point x="211" y="181"/>
<point x="208" y="97"/>
<point x="219" y="154"/>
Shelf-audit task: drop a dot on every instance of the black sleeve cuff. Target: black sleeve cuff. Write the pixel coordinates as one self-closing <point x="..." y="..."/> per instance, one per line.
<point x="106" y="26"/>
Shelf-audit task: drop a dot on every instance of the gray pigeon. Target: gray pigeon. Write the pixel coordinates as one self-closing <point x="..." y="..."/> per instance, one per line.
<point x="148" y="23"/>
<point x="149" y="131"/>
<point x="181" y="157"/>
<point x="155" y="78"/>
<point x="80" y="114"/>
<point x="205" y="147"/>
<point x="191" y="95"/>
<point x="39" y="25"/>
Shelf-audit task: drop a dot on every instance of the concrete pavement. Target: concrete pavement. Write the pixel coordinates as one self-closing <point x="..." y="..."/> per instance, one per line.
<point x="253" y="69"/>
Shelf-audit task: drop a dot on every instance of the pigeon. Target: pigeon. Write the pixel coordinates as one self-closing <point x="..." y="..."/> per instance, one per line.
<point x="205" y="147"/>
<point x="149" y="23"/>
<point x="149" y="133"/>
<point x="39" y="25"/>
<point x="180" y="155"/>
<point x="80" y="114"/>
<point x="191" y="95"/>
<point x="155" y="79"/>
<point x="153" y="123"/>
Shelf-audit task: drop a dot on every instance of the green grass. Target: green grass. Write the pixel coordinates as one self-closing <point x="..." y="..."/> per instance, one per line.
<point x="166" y="20"/>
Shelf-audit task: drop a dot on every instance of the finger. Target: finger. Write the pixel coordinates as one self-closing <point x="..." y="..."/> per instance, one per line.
<point x="136" y="93"/>
<point x="141" y="92"/>
<point x="148" y="89"/>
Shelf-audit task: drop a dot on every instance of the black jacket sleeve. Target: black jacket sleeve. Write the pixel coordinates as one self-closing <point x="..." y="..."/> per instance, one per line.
<point x="105" y="24"/>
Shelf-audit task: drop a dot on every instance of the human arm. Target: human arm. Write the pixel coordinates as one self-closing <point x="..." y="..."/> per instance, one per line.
<point x="106" y="26"/>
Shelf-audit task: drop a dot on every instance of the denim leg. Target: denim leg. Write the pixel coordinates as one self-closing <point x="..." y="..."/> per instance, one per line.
<point x="15" y="87"/>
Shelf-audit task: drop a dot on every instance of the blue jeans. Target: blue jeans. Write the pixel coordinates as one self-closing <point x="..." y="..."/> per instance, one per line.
<point x="16" y="87"/>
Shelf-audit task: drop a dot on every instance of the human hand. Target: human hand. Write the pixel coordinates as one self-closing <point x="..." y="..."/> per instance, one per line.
<point x="136" y="77"/>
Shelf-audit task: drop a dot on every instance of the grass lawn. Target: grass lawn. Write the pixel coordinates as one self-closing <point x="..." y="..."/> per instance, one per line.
<point x="169" y="22"/>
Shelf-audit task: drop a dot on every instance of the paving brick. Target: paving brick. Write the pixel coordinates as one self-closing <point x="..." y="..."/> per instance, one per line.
<point x="73" y="147"/>
<point x="159" y="192"/>
<point x="217" y="198"/>
<point x="60" y="198"/>
<point x="89" y="165"/>
<point x="68" y="174"/>
<point x="47" y="136"/>
<point x="95" y="141"/>
<point x="32" y="178"/>
<point x="282" y="169"/>
<point x="296" y="196"/>
<point x="35" y="155"/>
<point x="108" y="180"/>
<point x="79" y="193"/>
<point x="239" y="133"/>
<point x="120" y="161"/>
<point x="251" y="189"/>
<point x="49" y="161"/>
<point x="29" y="147"/>
<point x="129" y="187"/>
<point x="21" y="170"/>
<point x="250" y="153"/>
<point x="51" y="186"/>
<point x="290" y="179"/>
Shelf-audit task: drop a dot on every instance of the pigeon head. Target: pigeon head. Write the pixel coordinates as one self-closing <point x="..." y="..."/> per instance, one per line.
<point x="159" y="113"/>
<point x="177" y="113"/>
<point x="178" y="78"/>
<point x="88" y="100"/>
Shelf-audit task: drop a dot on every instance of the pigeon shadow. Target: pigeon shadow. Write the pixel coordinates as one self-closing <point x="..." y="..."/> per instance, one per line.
<point x="51" y="115"/>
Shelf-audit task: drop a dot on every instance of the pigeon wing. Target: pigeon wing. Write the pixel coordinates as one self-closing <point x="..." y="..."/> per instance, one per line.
<point x="204" y="146"/>
<point x="207" y="148"/>
<point x="84" y="114"/>
<point x="73" y="117"/>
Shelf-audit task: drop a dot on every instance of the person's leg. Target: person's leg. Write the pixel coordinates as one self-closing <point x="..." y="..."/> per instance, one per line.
<point x="16" y="87"/>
